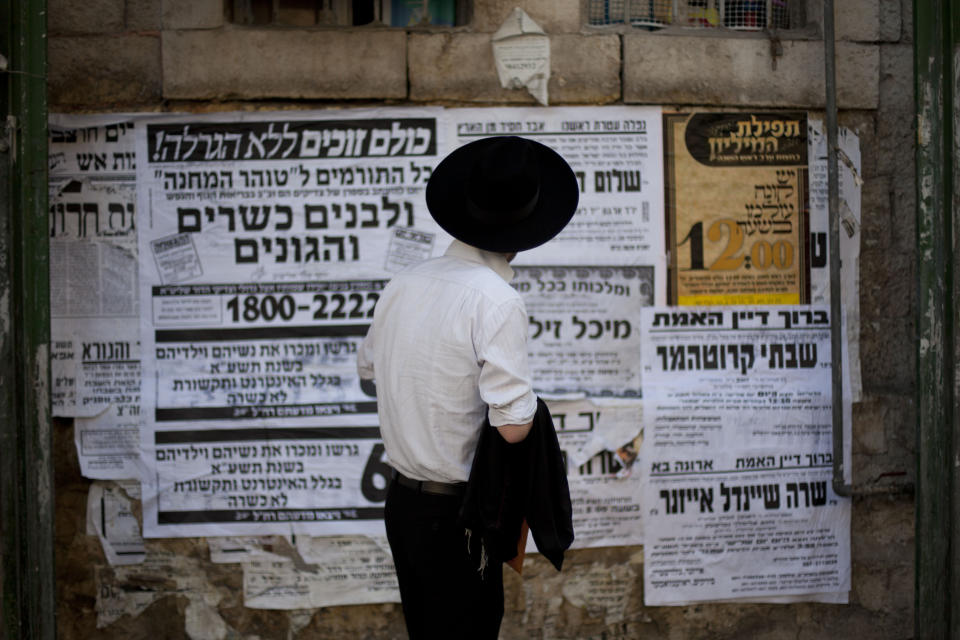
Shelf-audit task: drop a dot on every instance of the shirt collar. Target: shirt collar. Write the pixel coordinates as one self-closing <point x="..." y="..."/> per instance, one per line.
<point x="495" y="261"/>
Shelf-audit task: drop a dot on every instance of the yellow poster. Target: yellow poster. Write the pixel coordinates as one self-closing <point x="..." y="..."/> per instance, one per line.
<point x="737" y="208"/>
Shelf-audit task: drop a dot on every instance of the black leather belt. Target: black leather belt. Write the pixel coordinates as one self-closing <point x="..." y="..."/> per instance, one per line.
<point x="429" y="486"/>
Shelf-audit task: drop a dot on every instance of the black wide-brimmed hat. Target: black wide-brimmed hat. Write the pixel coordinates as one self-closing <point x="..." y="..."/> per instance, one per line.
<point x="503" y="194"/>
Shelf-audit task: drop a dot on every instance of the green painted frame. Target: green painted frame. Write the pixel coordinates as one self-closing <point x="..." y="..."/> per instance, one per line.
<point x="937" y="614"/>
<point x="26" y="465"/>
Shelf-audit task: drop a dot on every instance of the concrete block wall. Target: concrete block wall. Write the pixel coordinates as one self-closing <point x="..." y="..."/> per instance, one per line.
<point x="143" y="53"/>
<point x="174" y="55"/>
<point x="294" y="64"/>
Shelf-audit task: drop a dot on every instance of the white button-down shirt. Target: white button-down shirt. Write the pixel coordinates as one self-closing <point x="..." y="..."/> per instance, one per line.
<point x="447" y="348"/>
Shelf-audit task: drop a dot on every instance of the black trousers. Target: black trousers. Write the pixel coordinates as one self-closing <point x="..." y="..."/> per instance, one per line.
<point x="443" y="592"/>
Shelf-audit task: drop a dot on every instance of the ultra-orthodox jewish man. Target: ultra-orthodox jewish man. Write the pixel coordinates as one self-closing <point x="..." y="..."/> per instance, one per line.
<point x="473" y="449"/>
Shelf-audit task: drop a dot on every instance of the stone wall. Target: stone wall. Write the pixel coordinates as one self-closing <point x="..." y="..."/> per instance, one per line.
<point x="174" y="55"/>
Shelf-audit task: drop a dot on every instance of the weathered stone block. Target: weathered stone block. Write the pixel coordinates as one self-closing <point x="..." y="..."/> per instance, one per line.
<point x="144" y="15"/>
<point x="876" y="228"/>
<point x="882" y="532"/>
<point x="553" y="16"/>
<point x="906" y="15"/>
<point x="193" y="14"/>
<point x="68" y="17"/>
<point x="901" y="440"/>
<point x="887" y="354"/>
<point x="896" y="133"/>
<point x="891" y="21"/>
<point x="109" y="70"/>
<point x="870" y="419"/>
<point x="447" y="67"/>
<point x="902" y="580"/>
<point x="870" y="588"/>
<point x="460" y="67"/>
<point x="904" y="211"/>
<point x="666" y="69"/>
<point x="854" y="20"/>
<point x="883" y="442"/>
<point x="858" y="20"/>
<point x="584" y="69"/>
<point x="284" y="63"/>
<point x="886" y="283"/>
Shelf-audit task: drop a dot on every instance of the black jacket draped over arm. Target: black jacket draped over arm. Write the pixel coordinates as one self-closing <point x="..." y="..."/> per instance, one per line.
<point x="510" y="483"/>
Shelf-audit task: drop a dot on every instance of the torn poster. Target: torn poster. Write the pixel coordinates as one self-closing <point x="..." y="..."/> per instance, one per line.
<point x="94" y="306"/>
<point x="127" y="591"/>
<point x="848" y="173"/>
<point x="521" y="50"/>
<point x="110" y="516"/>
<point x="604" y="480"/>
<point x="622" y="426"/>
<point x="346" y="570"/>
<point x="108" y="444"/>
<point x="603" y="591"/>
<point x="230" y="549"/>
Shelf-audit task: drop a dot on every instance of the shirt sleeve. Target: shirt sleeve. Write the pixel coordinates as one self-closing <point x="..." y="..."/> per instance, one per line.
<point x="505" y="382"/>
<point x="365" y="355"/>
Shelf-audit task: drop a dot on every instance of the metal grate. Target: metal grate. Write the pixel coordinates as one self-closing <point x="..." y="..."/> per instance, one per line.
<point x="606" y="12"/>
<point x="746" y="15"/>
<point x="699" y="13"/>
<point x="640" y="13"/>
<point x="651" y="13"/>
<point x="780" y="15"/>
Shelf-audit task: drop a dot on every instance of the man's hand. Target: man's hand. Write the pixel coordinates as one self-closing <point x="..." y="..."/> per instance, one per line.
<point x="514" y="433"/>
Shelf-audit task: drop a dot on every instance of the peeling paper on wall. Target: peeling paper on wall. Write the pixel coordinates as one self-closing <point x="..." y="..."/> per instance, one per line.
<point x="202" y="621"/>
<point x="601" y="437"/>
<point x="543" y="602"/>
<point x="339" y="570"/>
<point x="110" y="516"/>
<point x="93" y="291"/>
<point x="128" y="591"/>
<point x="521" y="50"/>
<point x="108" y="444"/>
<point x="226" y="549"/>
<point x="849" y="167"/>
<point x="618" y="433"/>
<point x="602" y="591"/>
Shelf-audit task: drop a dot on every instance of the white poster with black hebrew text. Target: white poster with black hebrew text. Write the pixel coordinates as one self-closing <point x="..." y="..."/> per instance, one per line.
<point x="265" y="241"/>
<point x="617" y="156"/>
<point x="583" y="336"/>
<point x="737" y="456"/>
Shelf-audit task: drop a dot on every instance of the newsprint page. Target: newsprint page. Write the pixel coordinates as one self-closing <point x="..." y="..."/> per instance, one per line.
<point x="94" y="289"/>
